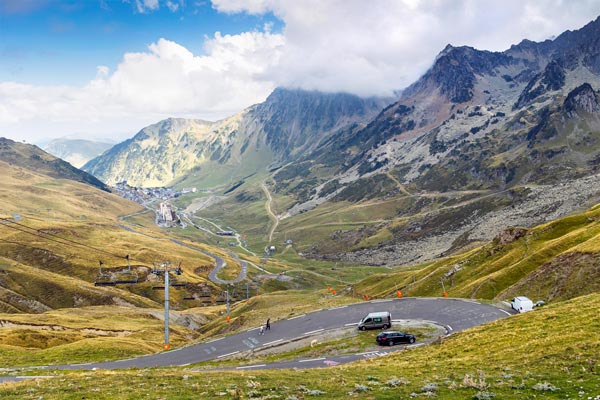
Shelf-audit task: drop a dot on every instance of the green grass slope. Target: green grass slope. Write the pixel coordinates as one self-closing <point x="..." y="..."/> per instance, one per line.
<point x="555" y="261"/>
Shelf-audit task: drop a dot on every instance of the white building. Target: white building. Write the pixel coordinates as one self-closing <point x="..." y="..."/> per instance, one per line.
<point x="166" y="212"/>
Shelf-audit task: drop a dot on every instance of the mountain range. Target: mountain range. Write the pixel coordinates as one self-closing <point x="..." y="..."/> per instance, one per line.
<point x="482" y="140"/>
<point x="76" y="151"/>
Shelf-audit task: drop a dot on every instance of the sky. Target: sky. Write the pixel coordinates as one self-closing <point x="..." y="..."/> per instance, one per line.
<point x="104" y="69"/>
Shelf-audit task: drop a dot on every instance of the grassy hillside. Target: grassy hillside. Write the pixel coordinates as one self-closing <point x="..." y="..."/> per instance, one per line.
<point x="86" y="334"/>
<point x="555" y="261"/>
<point x="550" y="353"/>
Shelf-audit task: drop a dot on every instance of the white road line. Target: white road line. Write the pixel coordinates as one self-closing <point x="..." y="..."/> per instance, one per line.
<point x="506" y="312"/>
<point x="297" y="316"/>
<point x="337" y="308"/>
<point x="351" y="324"/>
<point x="313" y="359"/>
<point x="184" y="365"/>
<point x="382" y="301"/>
<point x="214" y="340"/>
<point x="311" y="332"/>
<point x="228" y="354"/>
<point x="274" y="341"/>
<point x="252" y="366"/>
<point x="368" y="352"/>
<point x="449" y="328"/>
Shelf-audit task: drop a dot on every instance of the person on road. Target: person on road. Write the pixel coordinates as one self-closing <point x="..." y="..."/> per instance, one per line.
<point x="261" y="330"/>
<point x="268" y="324"/>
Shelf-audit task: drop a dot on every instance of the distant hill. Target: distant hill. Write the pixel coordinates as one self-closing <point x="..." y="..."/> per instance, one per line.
<point x="33" y="158"/>
<point x="76" y="151"/>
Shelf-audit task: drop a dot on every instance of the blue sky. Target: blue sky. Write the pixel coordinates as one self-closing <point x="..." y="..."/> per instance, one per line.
<point x="48" y="42"/>
<point x="108" y="68"/>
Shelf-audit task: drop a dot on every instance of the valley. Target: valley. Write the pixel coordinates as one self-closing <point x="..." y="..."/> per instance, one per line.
<point x="478" y="183"/>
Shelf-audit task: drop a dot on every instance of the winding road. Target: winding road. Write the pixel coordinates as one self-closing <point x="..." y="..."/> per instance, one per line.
<point x="270" y="211"/>
<point x="453" y="314"/>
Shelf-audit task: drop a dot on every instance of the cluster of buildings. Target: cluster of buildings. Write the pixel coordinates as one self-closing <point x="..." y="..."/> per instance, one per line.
<point x="165" y="215"/>
<point x="142" y="195"/>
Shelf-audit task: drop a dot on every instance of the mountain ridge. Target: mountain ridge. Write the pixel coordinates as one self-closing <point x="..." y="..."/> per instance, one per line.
<point x="31" y="156"/>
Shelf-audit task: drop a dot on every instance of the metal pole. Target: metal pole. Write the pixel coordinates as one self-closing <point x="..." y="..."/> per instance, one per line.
<point x="167" y="345"/>
<point x="227" y="297"/>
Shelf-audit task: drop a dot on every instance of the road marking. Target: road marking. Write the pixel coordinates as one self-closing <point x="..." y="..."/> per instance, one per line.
<point x="77" y="365"/>
<point x="506" y="312"/>
<point x="337" y="308"/>
<point x="214" y="340"/>
<point x="228" y="354"/>
<point x="184" y="365"/>
<point x="449" y="328"/>
<point x="311" y="332"/>
<point x="297" y="316"/>
<point x="353" y="323"/>
<point x="274" y="341"/>
<point x="362" y="354"/>
<point x="313" y="359"/>
<point x="252" y="366"/>
<point x="382" y="301"/>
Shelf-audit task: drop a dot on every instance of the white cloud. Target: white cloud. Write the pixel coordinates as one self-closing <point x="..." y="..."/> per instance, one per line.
<point x="172" y="6"/>
<point x="144" y="6"/>
<point x="167" y="80"/>
<point x="378" y="46"/>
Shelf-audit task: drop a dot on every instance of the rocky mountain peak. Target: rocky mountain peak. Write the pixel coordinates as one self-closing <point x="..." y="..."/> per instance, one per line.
<point x="552" y="78"/>
<point x="583" y="98"/>
<point x="455" y="71"/>
<point x="296" y="120"/>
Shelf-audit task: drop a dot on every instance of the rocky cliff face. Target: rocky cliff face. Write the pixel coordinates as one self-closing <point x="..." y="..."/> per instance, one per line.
<point x="296" y="121"/>
<point x="162" y="152"/>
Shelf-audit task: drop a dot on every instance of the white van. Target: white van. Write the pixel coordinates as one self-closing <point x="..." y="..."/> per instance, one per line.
<point x="521" y="304"/>
<point x="376" y="320"/>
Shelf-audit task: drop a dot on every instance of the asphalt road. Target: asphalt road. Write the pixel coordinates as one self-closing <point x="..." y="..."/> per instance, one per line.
<point x="454" y="314"/>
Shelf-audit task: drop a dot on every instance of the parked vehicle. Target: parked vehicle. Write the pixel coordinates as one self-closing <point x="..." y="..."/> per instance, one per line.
<point x="376" y="320"/>
<point x="390" y="338"/>
<point x="521" y="304"/>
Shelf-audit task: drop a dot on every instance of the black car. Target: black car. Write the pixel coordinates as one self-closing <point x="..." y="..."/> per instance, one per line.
<point x="390" y="338"/>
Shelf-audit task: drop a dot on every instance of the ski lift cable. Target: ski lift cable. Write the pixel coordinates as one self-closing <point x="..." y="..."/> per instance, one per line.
<point x="58" y="239"/>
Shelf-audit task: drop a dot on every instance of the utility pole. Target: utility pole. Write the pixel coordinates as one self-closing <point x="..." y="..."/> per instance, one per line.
<point x="227" y="297"/>
<point x="166" y="345"/>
